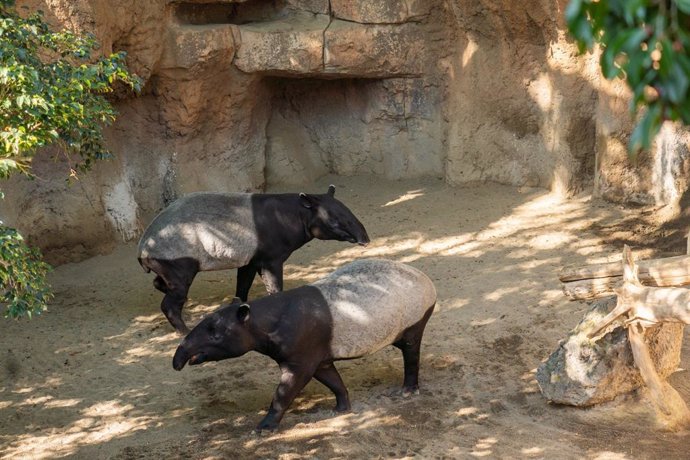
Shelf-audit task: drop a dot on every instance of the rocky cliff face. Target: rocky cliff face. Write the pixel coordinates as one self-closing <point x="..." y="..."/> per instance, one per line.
<point x="239" y="94"/>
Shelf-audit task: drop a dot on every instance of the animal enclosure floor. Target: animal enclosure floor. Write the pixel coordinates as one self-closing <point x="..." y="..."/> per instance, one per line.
<point x="92" y="377"/>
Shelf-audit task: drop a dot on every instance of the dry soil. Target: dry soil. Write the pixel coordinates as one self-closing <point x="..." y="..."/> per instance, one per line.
<point x="92" y="377"/>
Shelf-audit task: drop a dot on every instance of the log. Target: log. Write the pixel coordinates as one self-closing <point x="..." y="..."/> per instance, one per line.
<point x="592" y="288"/>
<point x="651" y="271"/>
<point x="601" y="287"/>
<point x="600" y="280"/>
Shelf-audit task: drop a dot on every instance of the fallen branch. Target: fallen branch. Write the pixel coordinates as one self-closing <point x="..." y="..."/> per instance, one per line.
<point x="652" y="271"/>
<point x="601" y="280"/>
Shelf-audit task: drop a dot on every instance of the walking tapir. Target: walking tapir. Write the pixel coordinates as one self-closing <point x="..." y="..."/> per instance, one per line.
<point x="355" y="311"/>
<point x="254" y="233"/>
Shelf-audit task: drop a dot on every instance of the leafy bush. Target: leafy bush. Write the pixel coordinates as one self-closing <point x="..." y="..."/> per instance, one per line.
<point x="645" y="42"/>
<point x="51" y="91"/>
<point x="22" y="276"/>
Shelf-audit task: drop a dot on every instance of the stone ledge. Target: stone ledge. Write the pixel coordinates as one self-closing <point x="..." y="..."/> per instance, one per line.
<point x="314" y="46"/>
<point x="388" y="12"/>
<point x="188" y="46"/>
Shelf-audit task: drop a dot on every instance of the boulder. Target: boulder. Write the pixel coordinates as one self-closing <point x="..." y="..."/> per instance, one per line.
<point x="583" y="371"/>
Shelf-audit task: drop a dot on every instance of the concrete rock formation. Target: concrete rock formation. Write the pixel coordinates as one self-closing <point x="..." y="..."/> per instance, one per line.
<point x="582" y="372"/>
<point x="241" y="93"/>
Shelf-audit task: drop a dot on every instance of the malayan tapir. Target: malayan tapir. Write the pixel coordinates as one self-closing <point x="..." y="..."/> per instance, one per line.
<point x="254" y="233"/>
<point x="355" y="311"/>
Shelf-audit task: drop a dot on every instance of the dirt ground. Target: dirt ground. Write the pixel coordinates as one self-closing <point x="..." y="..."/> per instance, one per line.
<point x="92" y="377"/>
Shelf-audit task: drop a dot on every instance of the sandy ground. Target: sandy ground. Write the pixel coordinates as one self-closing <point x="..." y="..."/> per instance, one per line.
<point x="92" y="378"/>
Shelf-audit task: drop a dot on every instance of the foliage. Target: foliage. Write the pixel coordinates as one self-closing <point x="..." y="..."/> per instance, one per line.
<point x="22" y="276"/>
<point x="51" y="91"/>
<point x="645" y="42"/>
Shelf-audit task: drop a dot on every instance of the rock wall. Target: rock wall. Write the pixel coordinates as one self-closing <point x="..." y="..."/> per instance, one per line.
<point x="241" y="93"/>
<point x="658" y="177"/>
<point x="521" y="104"/>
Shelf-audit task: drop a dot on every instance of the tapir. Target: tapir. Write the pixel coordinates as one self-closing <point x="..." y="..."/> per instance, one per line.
<point x="355" y="311"/>
<point x="255" y="233"/>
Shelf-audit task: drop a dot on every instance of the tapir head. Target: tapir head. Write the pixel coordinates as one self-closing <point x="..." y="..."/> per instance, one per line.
<point x="332" y="220"/>
<point x="221" y="335"/>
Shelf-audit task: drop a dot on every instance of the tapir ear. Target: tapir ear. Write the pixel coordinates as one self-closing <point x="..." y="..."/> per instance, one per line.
<point x="307" y="201"/>
<point x="331" y="190"/>
<point x="243" y="313"/>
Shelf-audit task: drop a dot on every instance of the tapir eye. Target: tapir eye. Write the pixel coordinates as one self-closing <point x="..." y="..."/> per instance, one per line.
<point x="214" y="333"/>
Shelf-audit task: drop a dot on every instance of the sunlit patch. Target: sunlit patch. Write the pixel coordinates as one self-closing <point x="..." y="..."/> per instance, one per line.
<point x="23" y="390"/>
<point x="466" y="411"/>
<point x="107" y="409"/>
<point x="58" y="403"/>
<point x="483" y="447"/>
<point x="411" y="195"/>
<point x="450" y="246"/>
<point x="135" y="354"/>
<point x="607" y="455"/>
<point x="551" y="240"/>
<point x="483" y="322"/>
<point x="452" y="304"/>
<point x="36" y="400"/>
<point x="147" y="318"/>
<point x="532" y="451"/>
<point x="500" y="293"/>
<point x="469" y="51"/>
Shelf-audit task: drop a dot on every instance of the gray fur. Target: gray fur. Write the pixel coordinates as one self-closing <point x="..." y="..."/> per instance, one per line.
<point x="371" y="302"/>
<point x="216" y="229"/>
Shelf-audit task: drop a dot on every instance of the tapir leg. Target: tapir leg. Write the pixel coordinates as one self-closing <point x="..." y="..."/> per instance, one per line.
<point x="272" y="276"/>
<point x="174" y="278"/>
<point x="410" y="343"/>
<point x="292" y="381"/>
<point x="159" y="284"/>
<point x="329" y="376"/>
<point x="245" y="278"/>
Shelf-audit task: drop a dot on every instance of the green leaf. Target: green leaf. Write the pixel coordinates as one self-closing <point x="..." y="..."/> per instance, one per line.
<point x="683" y="5"/>
<point x="645" y="131"/>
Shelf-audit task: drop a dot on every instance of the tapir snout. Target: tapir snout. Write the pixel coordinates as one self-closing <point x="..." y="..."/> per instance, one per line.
<point x="180" y="359"/>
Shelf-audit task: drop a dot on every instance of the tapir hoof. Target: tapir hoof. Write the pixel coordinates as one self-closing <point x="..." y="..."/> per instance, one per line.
<point x="409" y="391"/>
<point x="267" y="424"/>
<point x="341" y="408"/>
<point x="263" y="429"/>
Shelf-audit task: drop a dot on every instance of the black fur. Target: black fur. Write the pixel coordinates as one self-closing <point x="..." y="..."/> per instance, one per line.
<point x="294" y="328"/>
<point x="283" y="223"/>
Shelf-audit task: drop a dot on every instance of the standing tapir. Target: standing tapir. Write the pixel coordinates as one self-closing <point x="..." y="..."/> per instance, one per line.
<point x="251" y="232"/>
<point x="355" y="311"/>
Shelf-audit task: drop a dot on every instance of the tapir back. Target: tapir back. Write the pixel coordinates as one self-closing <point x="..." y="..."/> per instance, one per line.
<point x="371" y="302"/>
<point x="216" y="229"/>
